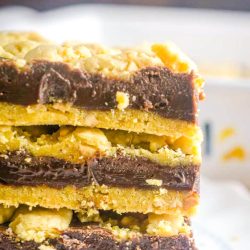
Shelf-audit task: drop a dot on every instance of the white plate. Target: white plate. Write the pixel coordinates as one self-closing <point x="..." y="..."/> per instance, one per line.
<point x="223" y="220"/>
<point x="207" y="240"/>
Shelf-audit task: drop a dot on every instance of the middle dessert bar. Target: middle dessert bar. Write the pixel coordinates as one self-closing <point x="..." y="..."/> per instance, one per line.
<point x="60" y="155"/>
<point x="127" y="172"/>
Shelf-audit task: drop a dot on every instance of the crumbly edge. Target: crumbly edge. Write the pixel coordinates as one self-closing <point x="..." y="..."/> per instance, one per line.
<point x="120" y="200"/>
<point x="78" y="144"/>
<point x="39" y="224"/>
<point x="23" y="48"/>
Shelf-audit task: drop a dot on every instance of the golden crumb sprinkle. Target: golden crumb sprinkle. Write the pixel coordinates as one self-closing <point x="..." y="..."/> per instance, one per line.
<point x="23" y="48"/>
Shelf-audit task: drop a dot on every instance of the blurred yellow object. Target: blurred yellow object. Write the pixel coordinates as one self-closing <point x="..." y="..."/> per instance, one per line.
<point x="237" y="153"/>
<point x="226" y="133"/>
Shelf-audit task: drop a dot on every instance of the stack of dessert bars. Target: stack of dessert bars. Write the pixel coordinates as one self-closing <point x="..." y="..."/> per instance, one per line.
<point x="99" y="147"/>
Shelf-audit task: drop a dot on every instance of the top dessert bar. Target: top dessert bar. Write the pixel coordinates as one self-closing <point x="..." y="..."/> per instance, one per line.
<point x="154" y="88"/>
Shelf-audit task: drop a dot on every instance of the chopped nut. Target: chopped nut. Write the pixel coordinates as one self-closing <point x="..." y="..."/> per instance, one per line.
<point x="91" y="215"/>
<point x="122" y="100"/>
<point x="43" y="52"/>
<point x="163" y="191"/>
<point x="166" y="225"/>
<point x="39" y="223"/>
<point x="28" y="160"/>
<point x="44" y="247"/>
<point x="4" y="156"/>
<point x="92" y="137"/>
<point x="154" y="182"/>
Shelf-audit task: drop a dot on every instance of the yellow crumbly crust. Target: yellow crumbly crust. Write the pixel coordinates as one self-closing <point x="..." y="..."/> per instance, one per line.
<point x="25" y="47"/>
<point x="78" y="144"/>
<point x="120" y="200"/>
<point x="130" y="226"/>
<point x="64" y="114"/>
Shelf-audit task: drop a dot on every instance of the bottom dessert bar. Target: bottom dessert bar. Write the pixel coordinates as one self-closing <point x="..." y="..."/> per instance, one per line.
<point x="52" y="229"/>
<point x="94" y="237"/>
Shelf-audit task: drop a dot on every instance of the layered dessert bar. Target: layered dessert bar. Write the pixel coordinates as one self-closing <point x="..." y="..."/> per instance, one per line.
<point x="99" y="147"/>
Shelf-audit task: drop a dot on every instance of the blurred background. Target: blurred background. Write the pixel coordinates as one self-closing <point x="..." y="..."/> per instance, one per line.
<point x="243" y="5"/>
<point x="216" y="35"/>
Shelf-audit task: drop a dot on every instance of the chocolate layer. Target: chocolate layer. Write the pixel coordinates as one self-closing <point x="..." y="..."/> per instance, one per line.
<point x="98" y="238"/>
<point x="10" y="243"/>
<point x="154" y="89"/>
<point x="95" y="238"/>
<point x="18" y="168"/>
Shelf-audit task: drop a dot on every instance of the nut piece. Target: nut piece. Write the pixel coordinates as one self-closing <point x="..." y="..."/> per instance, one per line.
<point x="122" y="100"/>
<point x="93" y="137"/>
<point x="44" y="247"/>
<point x="154" y="182"/>
<point x="43" y="52"/>
<point x="40" y="223"/>
<point x="166" y="225"/>
<point x="6" y="213"/>
<point x="90" y="215"/>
